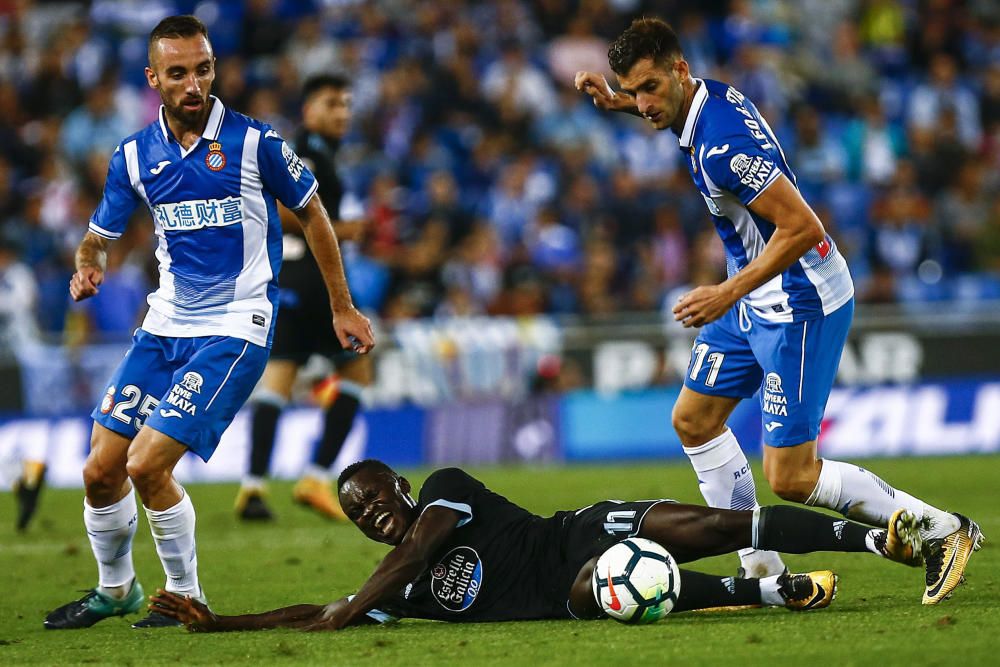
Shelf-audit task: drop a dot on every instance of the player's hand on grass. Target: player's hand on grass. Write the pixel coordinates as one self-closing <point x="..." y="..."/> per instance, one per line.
<point x="332" y="618"/>
<point x="354" y="330"/>
<point x="195" y="615"/>
<point x="604" y="97"/>
<point x="703" y="305"/>
<point x="85" y="282"/>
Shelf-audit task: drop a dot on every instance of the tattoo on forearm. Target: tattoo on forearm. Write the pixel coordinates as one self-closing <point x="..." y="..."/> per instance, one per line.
<point x="92" y="252"/>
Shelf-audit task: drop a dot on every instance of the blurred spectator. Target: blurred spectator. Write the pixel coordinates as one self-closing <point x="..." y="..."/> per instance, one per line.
<point x="841" y="72"/>
<point x="509" y="205"/>
<point x="95" y="126"/>
<point x="18" y="299"/>
<point x="578" y="49"/>
<point x="312" y="51"/>
<point x="263" y="32"/>
<point x="669" y="247"/>
<point x="819" y="159"/>
<point x="901" y="235"/>
<point x="476" y="268"/>
<point x="883" y="31"/>
<point x="961" y="213"/>
<point x="443" y="206"/>
<point x="941" y="93"/>
<point x="513" y="81"/>
<point x="872" y="144"/>
<point x="552" y="246"/>
<point x="936" y="153"/>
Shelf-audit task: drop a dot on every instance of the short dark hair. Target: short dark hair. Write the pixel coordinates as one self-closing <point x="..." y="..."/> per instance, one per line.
<point x="353" y="469"/>
<point x="183" y="25"/>
<point x="318" y="82"/>
<point x="644" y="38"/>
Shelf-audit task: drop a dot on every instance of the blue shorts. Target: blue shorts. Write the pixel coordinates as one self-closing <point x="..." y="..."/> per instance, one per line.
<point x="793" y="365"/>
<point x="187" y="388"/>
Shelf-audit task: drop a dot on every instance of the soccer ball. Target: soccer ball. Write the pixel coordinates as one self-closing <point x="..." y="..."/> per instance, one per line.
<point x="636" y="581"/>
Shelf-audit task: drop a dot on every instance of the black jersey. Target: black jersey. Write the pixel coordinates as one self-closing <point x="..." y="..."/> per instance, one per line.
<point x="503" y="563"/>
<point x="319" y="154"/>
<point x="303" y="324"/>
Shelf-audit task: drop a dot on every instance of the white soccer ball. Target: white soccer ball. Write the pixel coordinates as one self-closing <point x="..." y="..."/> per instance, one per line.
<point x="636" y="581"/>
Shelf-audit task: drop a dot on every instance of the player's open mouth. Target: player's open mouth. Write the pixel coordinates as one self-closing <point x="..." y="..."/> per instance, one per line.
<point x="383" y="521"/>
<point x="654" y="117"/>
<point x="192" y="105"/>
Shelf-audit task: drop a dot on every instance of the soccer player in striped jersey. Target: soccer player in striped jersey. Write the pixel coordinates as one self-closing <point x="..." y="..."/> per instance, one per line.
<point x="210" y="178"/>
<point x="777" y="324"/>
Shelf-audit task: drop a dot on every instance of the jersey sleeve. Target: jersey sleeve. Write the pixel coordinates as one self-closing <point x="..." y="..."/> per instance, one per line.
<point x="117" y="203"/>
<point x="739" y="165"/>
<point x="283" y="172"/>
<point x="451" y="488"/>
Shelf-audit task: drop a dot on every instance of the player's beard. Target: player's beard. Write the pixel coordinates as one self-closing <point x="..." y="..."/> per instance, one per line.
<point x="190" y="119"/>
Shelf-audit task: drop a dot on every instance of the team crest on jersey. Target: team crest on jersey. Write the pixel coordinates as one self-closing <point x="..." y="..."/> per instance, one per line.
<point x="457" y="579"/>
<point x="108" y="401"/>
<point x="192" y="382"/>
<point x="216" y="159"/>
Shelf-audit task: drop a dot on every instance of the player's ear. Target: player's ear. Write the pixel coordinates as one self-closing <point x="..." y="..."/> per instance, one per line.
<point x="682" y="69"/>
<point x="151" y="78"/>
<point x="404" y="485"/>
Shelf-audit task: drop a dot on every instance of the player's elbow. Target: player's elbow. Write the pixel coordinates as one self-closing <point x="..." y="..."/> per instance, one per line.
<point x="810" y="232"/>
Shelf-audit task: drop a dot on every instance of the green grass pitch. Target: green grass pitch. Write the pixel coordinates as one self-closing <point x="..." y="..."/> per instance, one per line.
<point x="877" y="618"/>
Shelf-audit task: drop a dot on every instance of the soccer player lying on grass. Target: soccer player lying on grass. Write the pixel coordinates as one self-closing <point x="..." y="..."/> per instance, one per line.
<point x="464" y="553"/>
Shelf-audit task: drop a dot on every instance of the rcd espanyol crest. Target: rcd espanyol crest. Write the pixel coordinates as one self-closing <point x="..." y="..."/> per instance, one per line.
<point x="192" y="382"/>
<point x="216" y="159"/>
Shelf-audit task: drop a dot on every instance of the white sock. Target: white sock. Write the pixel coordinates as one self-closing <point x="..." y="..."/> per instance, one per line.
<point x="726" y="481"/>
<point x="111" y="530"/>
<point x="769" y="595"/>
<point x="253" y="483"/>
<point x="173" y="532"/>
<point x="863" y="496"/>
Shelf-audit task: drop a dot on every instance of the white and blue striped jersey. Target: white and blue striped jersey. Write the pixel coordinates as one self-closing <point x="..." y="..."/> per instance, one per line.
<point x="733" y="156"/>
<point x="215" y="218"/>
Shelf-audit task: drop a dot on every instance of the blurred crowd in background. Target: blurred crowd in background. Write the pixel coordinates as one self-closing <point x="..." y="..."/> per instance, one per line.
<point x="485" y="182"/>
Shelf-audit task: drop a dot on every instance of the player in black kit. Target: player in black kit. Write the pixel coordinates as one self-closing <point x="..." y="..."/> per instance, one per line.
<point x="303" y="317"/>
<point x="464" y="553"/>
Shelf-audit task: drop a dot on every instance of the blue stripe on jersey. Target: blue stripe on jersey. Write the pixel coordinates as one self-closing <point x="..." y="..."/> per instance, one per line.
<point x="731" y="241"/>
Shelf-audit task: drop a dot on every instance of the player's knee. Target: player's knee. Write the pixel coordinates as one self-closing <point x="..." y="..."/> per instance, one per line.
<point x="143" y="472"/>
<point x="100" y="479"/>
<point x="789" y="485"/>
<point x="691" y="428"/>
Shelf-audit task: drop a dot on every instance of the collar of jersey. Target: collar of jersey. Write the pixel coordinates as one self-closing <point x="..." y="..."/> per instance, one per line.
<point x="697" y="104"/>
<point x="212" y="127"/>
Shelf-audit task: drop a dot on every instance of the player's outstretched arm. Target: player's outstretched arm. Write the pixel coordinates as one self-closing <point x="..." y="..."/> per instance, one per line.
<point x="399" y="567"/>
<point x="91" y="262"/>
<point x="199" y="618"/>
<point x="604" y="96"/>
<point x="797" y="229"/>
<point x="352" y="328"/>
